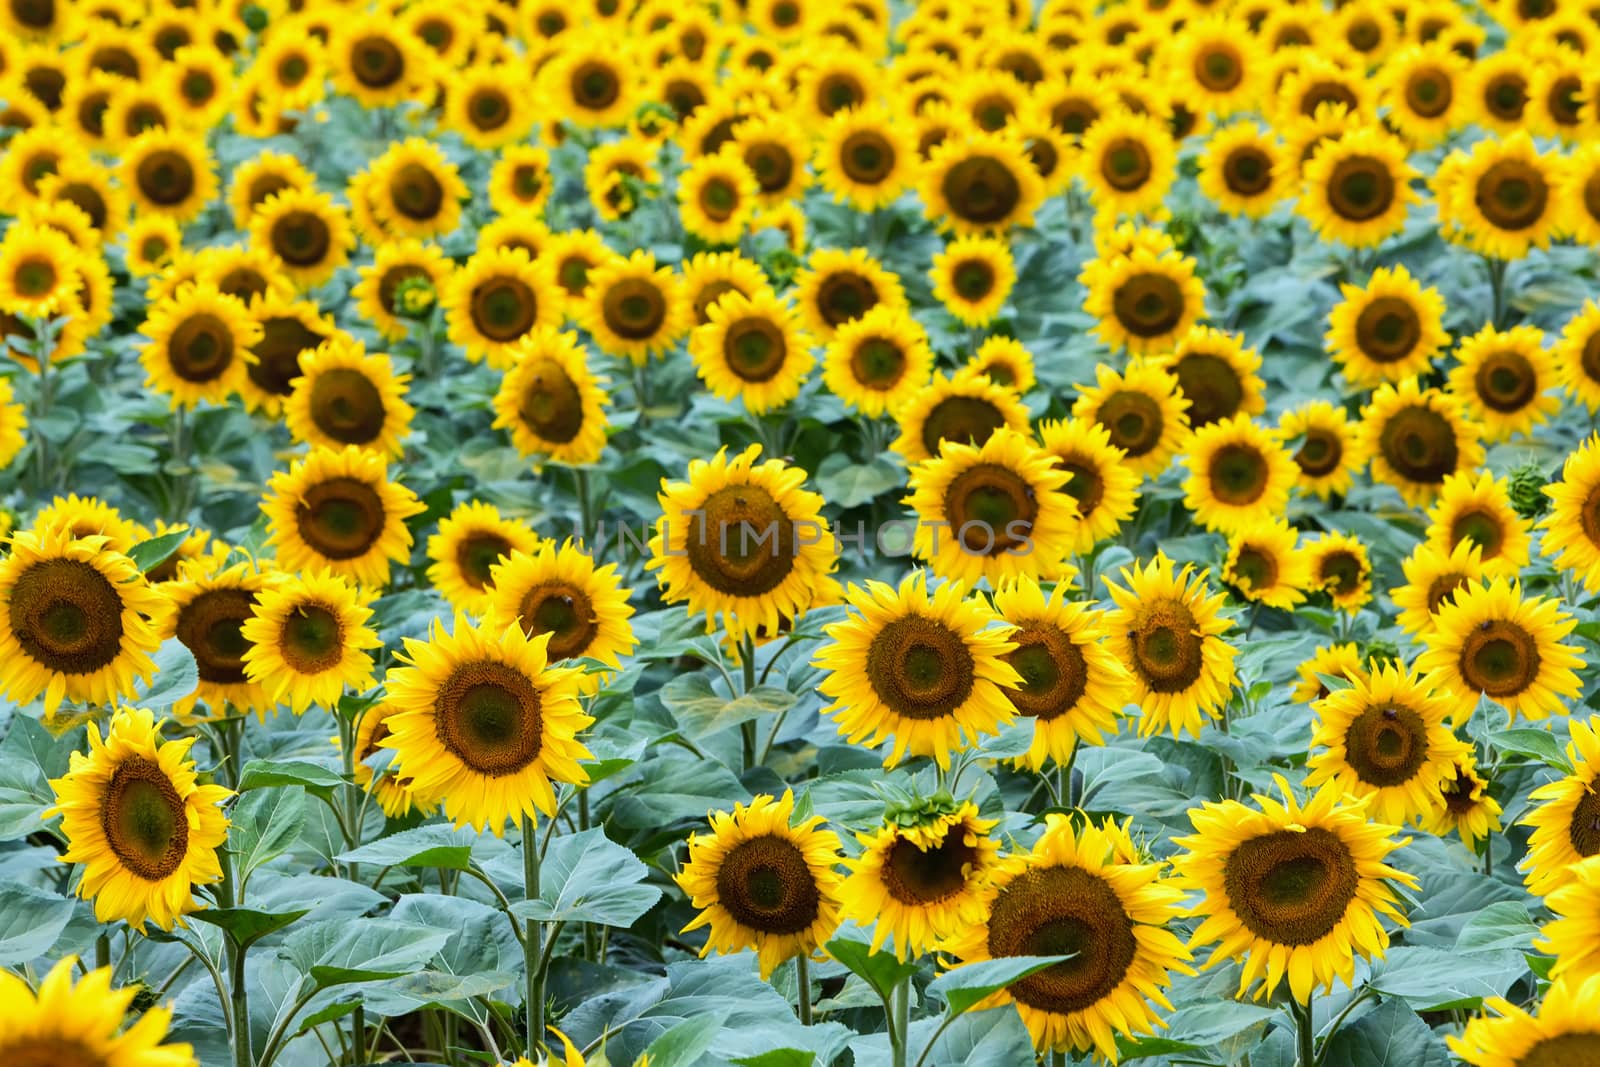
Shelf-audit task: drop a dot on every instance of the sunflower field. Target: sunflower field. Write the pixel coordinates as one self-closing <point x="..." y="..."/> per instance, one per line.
<point x="799" y="533"/>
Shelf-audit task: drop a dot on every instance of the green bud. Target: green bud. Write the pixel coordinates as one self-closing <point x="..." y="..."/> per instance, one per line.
<point x="1527" y="490"/>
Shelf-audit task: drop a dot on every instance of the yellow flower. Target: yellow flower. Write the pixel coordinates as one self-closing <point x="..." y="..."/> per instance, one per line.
<point x="169" y="174"/>
<point x="1565" y="1026"/>
<point x="717" y="198"/>
<point x="308" y="639"/>
<point x="1239" y="475"/>
<point x="1128" y="162"/>
<point x="1434" y="573"/>
<point x="471" y="540"/>
<point x="1468" y="809"/>
<point x="1415" y="438"/>
<point x="838" y="287"/>
<point x="1505" y="381"/>
<point x="549" y="400"/>
<point x="89" y="1020"/>
<point x="1477" y="508"/>
<point x="1105" y="489"/>
<point x="1327" y="453"/>
<point x="980" y="182"/>
<point x="1388" y="331"/>
<point x="752" y="349"/>
<point x="634" y="309"/>
<point x="966" y="409"/>
<point x="1503" y="198"/>
<point x="1357" y="188"/>
<point x="1340" y="568"/>
<point x="482" y="106"/>
<point x="1264" y="564"/>
<point x="308" y="235"/>
<point x="347" y="396"/>
<point x="1142" y="411"/>
<point x="560" y="592"/>
<point x="877" y="362"/>
<point x="865" y="157"/>
<point x="1143" y="301"/>
<point x="207" y="611"/>
<point x="415" y="191"/>
<point x="497" y="298"/>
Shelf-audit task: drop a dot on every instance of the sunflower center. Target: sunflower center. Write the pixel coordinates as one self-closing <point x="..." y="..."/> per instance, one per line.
<point x="1420" y="444"/>
<point x="340" y="518"/>
<point x="504" y="308"/>
<point x="1247" y="171"/>
<point x="1291" y="887"/>
<point x="963" y="419"/>
<point x="974" y="279"/>
<point x="1256" y="569"/>
<point x="1168" y="649"/>
<point x="1054" y="672"/>
<point x="1330" y="92"/>
<point x="1499" y="658"/>
<point x="34" y="278"/>
<point x="766" y="885"/>
<point x="991" y="509"/>
<point x="489" y="109"/>
<point x="1218" y="69"/>
<point x="416" y="192"/>
<point x="1211" y="386"/>
<point x="488" y="715"/>
<point x="635" y="309"/>
<point x="719" y="199"/>
<point x="35" y="14"/>
<point x="1457" y="793"/>
<point x="743" y="543"/>
<point x="772" y="165"/>
<point x="377" y="62"/>
<point x="1482" y="528"/>
<point x="1364" y="35"/>
<point x="209" y="626"/>
<point x="844" y="296"/>
<point x="684" y="97"/>
<point x="301" y="238"/>
<point x="1360" y="188"/>
<point x="920" y="877"/>
<point x="1340" y="572"/>
<point x="1320" y="453"/>
<point x="293" y="70"/>
<point x="1442" y="589"/>
<point x="1134" y="421"/>
<point x="51" y="1051"/>
<point x="1058" y="911"/>
<point x="477" y="554"/>
<point x="708" y="296"/>
<point x="1148" y="304"/>
<point x="1386" y="745"/>
<point x="277" y="354"/>
<point x="1429" y="93"/>
<point x="1584" y="830"/>
<point x="265" y="186"/>
<point x="1563" y="1050"/>
<point x="573" y="274"/>
<point x="867" y="157"/>
<point x="67" y="616"/>
<point x="144" y="819"/>
<point x="1073" y="116"/>
<point x="878" y="363"/>
<point x="595" y="86"/>
<point x="1084" y="483"/>
<point x="1512" y="194"/>
<point x="1125" y="164"/>
<point x="1238" y="474"/>
<point x="1506" y="381"/>
<point x="755" y="349"/>
<point x="312" y="639"/>
<point x="527" y="182"/>
<point x="1591" y="196"/>
<point x="920" y="668"/>
<point x="565" y="612"/>
<point x="1388" y="329"/>
<point x="243" y="282"/>
<point x="1506" y="96"/>
<point x="165" y="177"/>
<point x="982" y="190"/>
<point x="837" y="92"/>
<point x="551" y="404"/>
<point x="347" y="406"/>
<point x="1589" y="516"/>
<point x="198" y="87"/>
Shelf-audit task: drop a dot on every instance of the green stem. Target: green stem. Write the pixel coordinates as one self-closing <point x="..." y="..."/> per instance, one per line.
<point x="230" y="895"/>
<point x="1497" y="288"/>
<point x="803" y="975"/>
<point x="102" y="951"/>
<point x="182" y="470"/>
<point x="580" y="484"/>
<point x="44" y="342"/>
<point x="1305" y="1033"/>
<point x="1338" y="1021"/>
<point x="531" y="947"/>
<point x="900" y="1024"/>
<point x="358" y="1032"/>
<point x="747" y="729"/>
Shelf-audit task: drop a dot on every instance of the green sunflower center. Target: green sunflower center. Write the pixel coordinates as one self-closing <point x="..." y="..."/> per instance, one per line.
<point x="1420" y="444"/>
<point x="635" y="309"/>
<point x="1238" y="474"/>
<point x="1134" y="421"/>
<point x="377" y="62"/>
<point x="1255" y="568"/>
<point x="144" y="819"/>
<point x="504" y="308"/>
<point x="165" y="177"/>
<point x="1506" y="382"/>
<point x="867" y="157"/>
<point x="844" y="296"/>
<point x="878" y="363"/>
<point x="477" y="554"/>
<point x="1428" y="92"/>
<point x="301" y="238"/>
<point x="755" y="349"/>
<point x="1054" y="673"/>
<point x="1125" y="164"/>
<point x="312" y="639"/>
<point x="1247" y="171"/>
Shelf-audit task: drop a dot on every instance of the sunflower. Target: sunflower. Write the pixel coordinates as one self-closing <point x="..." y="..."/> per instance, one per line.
<point x="90" y="187"/>
<point x="1327" y="447"/>
<point x="13" y="420"/>
<point x="374" y="61"/>
<point x="1294" y="889"/>
<point x="1504" y="197"/>
<point x="559" y="591"/>
<point x="484" y="108"/>
<point x="876" y="362"/>
<point x="292" y="70"/>
<point x="1577" y="356"/>
<point x="497" y="298"/>
<point x="1565" y="1029"/>
<point x="88" y="516"/>
<point x="788" y="220"/>
<point x="137" y="819"/>
<point x="1339" y="567"/>
<point x="1489" y="640"/>
<point x="1578" y="188"/>
<point x="550" y="402"/>
<point x="1335" y="661"/>
<point x="716" y="198"/>
<point x="980" y="182"/>
<point x="966" y="409"/>
<point x="199" y="345"/>
<point x="347" y="396"/>
<point x="151" y="244"/>
<point x="1143" y="301"/>
<point x="1388" y="331"/>
<point x="865" y="157"/>
<point x="1004" y="361"/>
<point x="1128" y="162"/>
<point x="760" y="882"/>
<point x="39" y="270"/>
<point x="288" y="328"/>
<point x="573" y="256"/>
<point x="398" y="263"/>
<point x="168" y="174"/>
<point x="1357" y="188"/>
<point x="775" y="148"/>
<point x="520" y="179"/>
<point x="1216" y="66"/>
<point x="752" y="348"/>
<point x="1573" y="525"/>
<point x="1434" y="573"/>
<point x="336" y="510"/>
<point x="247" y="274"/>
<point x="1415" y="438"/>
<point x="199" y="80"/>
<point x="1504" y="380"/>
<point x="1217" y="375"/>
<point x="387" y="787"/>
<point x="634" y="309"/>
<point x="1565" y="831"/>
<point x="90" y="1021"/>
<point x="1084" y="894"/>
<point x="1468" y="808"/>
<point x="415" y="191"/>
<point x="521" y="229"/>
<point x="463" y="553"/>
<point x="1424" y="87"/>
<point x="1477" y="508"/>
<point x="838" y="287"/>
<point x="308" y="235"/>
<point x="972" y="278"/>
<point x="1264" y="565"/>
<point x="1141" y="410"/>
<point x="306" y="640"/>
<point x="710" y="276"/>
<point x="206" y="612"/>
<point x="1239" y="475"/>
<point x="65" y="217"/>
<point x="1105" y="489"/>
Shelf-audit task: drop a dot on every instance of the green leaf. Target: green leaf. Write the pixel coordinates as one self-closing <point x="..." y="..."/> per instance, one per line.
<point x="424" y="988"/>
<point x="266" y="823"/>
<point x="684" y="1045"/>
<point x="425" y="846"/>
<point x="778" y="1057"/>
<point x="1531" y="742"/>
<point x="701" y="711"/>
<point x="177" y="676"/>
<point x="586" y="877"/>
<point x="148" y="555"/>
<point x="1392" y="1034"/>
<point x="880" y="970"/>
<point x="30" y="922"/>
<point x="337" y="952"/>
<point x="847" y="485"/>
<point x="1139" y="1048"/>
<point x="247" y="925"/>
<point x="1502" y="925"/>
<point x="966" y="986"/>
<point x="268" y="774"/>
<point x="1432" y="980"/>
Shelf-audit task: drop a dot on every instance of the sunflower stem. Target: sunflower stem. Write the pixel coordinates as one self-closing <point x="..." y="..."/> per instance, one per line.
<point x="229" y="895"/>
<point x="182" y="470"/>
<point x="900" y="1024"/>
<point x="747" y="729"/>
<point x="531" y="942"/>
<point x="803" y="978"/>
<point x="1497" y="288"/>
<point x="102" y="951"/>
<point x="1305" y="1032"/>
<point x="583" y="489"/>
<point x="43" y="344"/>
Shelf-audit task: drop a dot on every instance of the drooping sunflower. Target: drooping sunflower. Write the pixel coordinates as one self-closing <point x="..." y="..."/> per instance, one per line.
<point x="1239" y="475"/>
<point x="39" y="270"/>
<point x="462" y="554"/>
<point x="760" y="881"/>
<point x="1357" y="188"/>
<point x="1004" y="361"/>
<point x="306" y="232"/>
<point x="1388" y="331"/>
<point x="1217" y="374"/>
<point x="558" y="590"/>
<point x="1105" y="489"/>
<point x="1468" y="808"/>
<point x="1477" y="508"/>
<point x="482" y="105"/>
<point x="1086" y="894"/>
<point x="1386" y="738"/>
<point x="1505" y="380"/>
<point x="1128" y="162"/>
<point x="1564" y="1029"/>
<point x="1504" y="197"/>
<point x="168" y="173"/>
<point x="1143" y="301"/>
<point x="415" y="191"/>
<point x="927" y="670"/>
<point x="1327" y="447"/>
<point x="865" y="157"/>
<point x="634" y="309"/>
<point x="1143" y="412"/>
<point x="1166" y="628"/>
<point x="966" y="409"/>
<point x="1294" y="889"/>
<point x="89" y="1020"/>
<point x="348" y="396"/>
<point x="337" y="510"/>
<point x="752" y="348"/>
<point x="840" y="286"/>
<point x="1489" y="640"/>
<point x="497" y="298"/>
<point x="552" y="404"/>
<point x="1340" y="568"/>
<point x="307" y="639"/>
<point x="994" y="511"/>
<point x="138" y="821"/>
<point x="980" y="182"/>
<point x="373" y="60"/>
<point x="972" y="278"/>
<point x="1264" y="564"/>
<point x="1433" y="574"/>
<point x="1414" y="438"/>
<point x="877" y="362"/>
<point x="207" y="611"/>
<point x="1334" y="661"/>
<point x="74" y="620"/>
<point x="742" y="542"/>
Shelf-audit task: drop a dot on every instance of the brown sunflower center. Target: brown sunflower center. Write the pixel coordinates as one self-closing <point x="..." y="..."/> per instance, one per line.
<point x="340" y="518"/>
<point x="1085" y="484"/>
<point x="488" y="715"/>
<point x="1386" y="745"/>
<point x="35" y="14"/>
<point x="1589" y="516"/>
<point x="1457" y="793"/>
<point x="292" y="70"/>
<point x="347" y="406"/>
<point x="1388" y="329"/>
<point x="244" y="282"/>
<point x="417" y="192"/>
<point x="165" y="177"/>
<point x="277" y="354"/>
<point x="1443" y="589"/>
<point x="54" y="1050"/>
<point x="377" y="62"/>
<point x="1360" y="188"/>
<point x="1074" y="115"/>
<point x="1125" y="164"/>
<point x="209" y="626"/>
<point x="1218" y="68"/>
<point x="1563" y="1050"/>
<point x="1054" y="911"/>
<point x="1148" y="304"/>
<point x="1482" y="527"/>
<point x="1512" y="194"/>
<point x="1247" y="171"/>
<point x="1054" y="673"/>
<point x="1211" y="385"/>
<point x="1420" y="444"/>
<point x="1584" y="830"/>
<point x="1255" y="568"/>
<point x="684" y="97"/>
<point x="867" y="157"/>
<point x="878" y="363"/>
<point x="708" y="296"/>
<point x="1133" y="419"/>
<point x="1168" y="649"/>
<point x="551" y="405"/>
<point x="920" y="668"/>
<point x="920" y="877"/>
<point x="963" y="419"/>
<point x="476" y="555"/>
<point x="1499" y="658"/>
<point x="67" y="616"/>
<point x="635" y="309"/>
<point x="1429" y="92"/>
<point x="488" y="108"/>
<point x="719" y="198"/>
<point x="1320" y="452"/>
<point x="595" y="86"/>
<point x="1238" y="474"/>
<point x="266" y="185"/>
<point x="1327" y="92"/>
<point x="35" y="278"/>
<point x="1340" y="572"/>
<point x="504" y="308"/>
<point x="144" y="819"/>
<point x="1505" y="96"/>
<point x="771" y="163"/>
<point x="564" y="611"/>
<point x="981" y="190"/>
<point x="301" y="238"/>
<point x="1591" y="196"/>
<point x="742" y="544"/>
<point x="1291" y="887"/>
<point x="766" y="885"/>
<point x="1506" y="381"/>
<point x="973" y="279"/>
<point x="844" y="296"/>
<point x="572" y="273"/>
<point x="1364" y="34"/>
<point x="991" y="509"/>
<point x="836" y="92"/>
<point x="755" y="349"/>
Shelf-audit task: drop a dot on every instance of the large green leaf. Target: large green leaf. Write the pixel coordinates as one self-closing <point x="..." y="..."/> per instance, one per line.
<point x="586" y="877"/>
<point x="266" y="823"/>
<point x="1432" y="980"/>
<point x="701" y="711"/>
<point x="176" y="676"/>
<point x="881" y="970"/>
<point x="268" y="774"/>
<point x="1389" y="1035"/>
<point x="336" y="953"/>
<point x="965" y="986"/>
<point x="30" y="922"/>
<point x="424" y="846"/>
<point x="247" y="925"/>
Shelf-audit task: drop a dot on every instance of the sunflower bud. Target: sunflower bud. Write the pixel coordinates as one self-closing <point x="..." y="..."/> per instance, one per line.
<point x="414" y="298"/>
<point x="255" y="18"/>
<point x="1527" y="490"/>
